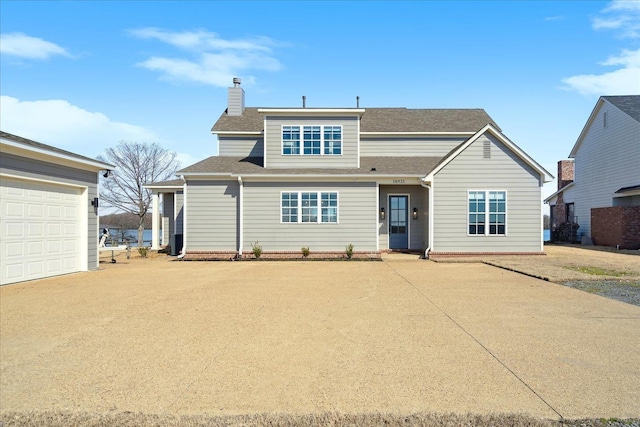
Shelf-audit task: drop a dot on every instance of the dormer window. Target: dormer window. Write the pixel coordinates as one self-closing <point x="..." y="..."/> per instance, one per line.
<point x="316" y="140"/>
<point x="333" y="140"/>
<point x="312" y="140"/>
<point x="290" y="139"/>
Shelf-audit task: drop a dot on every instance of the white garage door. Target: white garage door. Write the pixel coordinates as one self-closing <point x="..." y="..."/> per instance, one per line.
<point x="40" y="230"/>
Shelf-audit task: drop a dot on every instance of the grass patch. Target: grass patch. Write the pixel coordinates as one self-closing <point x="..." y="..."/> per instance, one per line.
<point x="137" y="419"/>
<point x="597" y="271"/>
<point x="131" y="419"/>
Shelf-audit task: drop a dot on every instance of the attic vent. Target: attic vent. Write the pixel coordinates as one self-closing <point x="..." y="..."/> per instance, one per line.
<point x="486" y="150"/>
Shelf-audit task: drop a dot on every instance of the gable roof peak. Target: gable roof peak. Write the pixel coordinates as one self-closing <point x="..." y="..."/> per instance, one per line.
<point x="629" y="104"/>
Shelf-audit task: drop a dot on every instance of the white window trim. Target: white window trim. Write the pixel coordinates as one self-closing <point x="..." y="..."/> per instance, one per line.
<point x="319" y="214"/>
<point x="282" y="140"/>
<point x="322" y="141"/>
<point x="486" y="212"/>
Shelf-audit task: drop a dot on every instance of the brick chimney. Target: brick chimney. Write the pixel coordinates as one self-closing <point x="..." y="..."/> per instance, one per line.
<point x="565" y="173"/>
<point x="235" y="105"/>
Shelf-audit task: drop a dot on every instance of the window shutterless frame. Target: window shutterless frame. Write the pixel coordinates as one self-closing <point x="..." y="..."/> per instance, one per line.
<point x="311" y="140"/>
<point x="309" y="207"/>
<point x="487" y="212"/>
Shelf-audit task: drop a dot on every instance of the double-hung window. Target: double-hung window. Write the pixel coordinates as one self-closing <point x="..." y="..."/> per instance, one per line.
<point x="329" y="207"/>
<point x="333" y="140"/>
<point x="309" y="207"/>
<point x="487" y="213"/>
<point x="290" y="139"/>
<point x="302" y="207"/>
<point x="312" y="140"/>
<point x="289" y="206"/>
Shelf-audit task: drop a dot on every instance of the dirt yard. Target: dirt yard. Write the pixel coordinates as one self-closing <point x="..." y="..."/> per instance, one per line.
<point x="401" y="336"/>
<point x="562" y="263"/>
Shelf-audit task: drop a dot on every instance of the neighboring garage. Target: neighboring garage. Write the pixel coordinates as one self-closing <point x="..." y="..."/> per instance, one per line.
<point x="48" y="221"/>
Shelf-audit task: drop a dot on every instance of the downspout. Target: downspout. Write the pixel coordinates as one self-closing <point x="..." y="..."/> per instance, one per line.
<point x="184" y="219"/>
<point x="430" y="226"/>
<point x="240" y="216"/>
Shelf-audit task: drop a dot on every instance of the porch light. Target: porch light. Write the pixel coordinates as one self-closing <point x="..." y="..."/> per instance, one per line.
<point x="415" y="213"/>
<point x="381" y="213"/>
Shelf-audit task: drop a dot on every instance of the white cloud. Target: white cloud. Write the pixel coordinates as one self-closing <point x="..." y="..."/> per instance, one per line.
<point x="211" y="59"/>
<point x="66" y="126"/>
<point x="622" y="16"/>
<point x="24" y="46"/>
<point x="623" y="81"/>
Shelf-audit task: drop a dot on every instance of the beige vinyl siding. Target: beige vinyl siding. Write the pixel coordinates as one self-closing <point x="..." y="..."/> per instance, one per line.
<point x="357" y="218"/>
<point x="168" y="217"/>
<point x="418" y="228"/>
<point x="503" y="171"/>
<point x="607" y="160"/>
<point x="212" y="215"/>
<point x="273" y="135"/>
<point x="240" y="146"/>
<point x="36" y="169"/>
<point x="414" y="146"/>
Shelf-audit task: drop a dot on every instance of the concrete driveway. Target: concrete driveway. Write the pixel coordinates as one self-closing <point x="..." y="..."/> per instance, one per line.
<point x="399" y="336"/>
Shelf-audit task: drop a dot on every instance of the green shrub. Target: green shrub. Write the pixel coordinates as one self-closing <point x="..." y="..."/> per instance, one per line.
<point x="305" y="252"/>
<point x="143" y="251"/>
<point x="349" y="250"/>
<point x="257" y="249"/>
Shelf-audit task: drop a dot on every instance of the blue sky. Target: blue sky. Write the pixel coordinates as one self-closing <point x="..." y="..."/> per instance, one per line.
<point x="83" y="75"/>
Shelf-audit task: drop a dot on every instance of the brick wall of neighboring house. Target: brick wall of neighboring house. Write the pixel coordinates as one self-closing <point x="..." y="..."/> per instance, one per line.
<point x="618" y="225"/>
<point x="559" y="211"/>
<point x="565" y="173"/>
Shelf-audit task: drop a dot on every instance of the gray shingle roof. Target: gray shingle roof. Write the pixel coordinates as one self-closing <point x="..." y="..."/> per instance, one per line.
<point x="169" y="183"/>
<point x="41" y="146"/>
<point x="369" y="166"/>
<point x="380" y="120"/>
<point x="628" y="189"/>
<point x="630" y="104"/>
<point x="424" y="120"/>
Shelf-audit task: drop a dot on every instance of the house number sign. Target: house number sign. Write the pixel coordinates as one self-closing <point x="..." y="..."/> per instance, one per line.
<point x="398" y="181"/>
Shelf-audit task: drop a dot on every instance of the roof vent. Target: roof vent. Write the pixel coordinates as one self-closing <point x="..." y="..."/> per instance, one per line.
<point x="357" y="102"/>
<point x="304" y="101"/>
<point x="236" y="82"/>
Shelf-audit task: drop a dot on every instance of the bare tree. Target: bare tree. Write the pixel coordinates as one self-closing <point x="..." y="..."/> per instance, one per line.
<point x="136" y="164"/>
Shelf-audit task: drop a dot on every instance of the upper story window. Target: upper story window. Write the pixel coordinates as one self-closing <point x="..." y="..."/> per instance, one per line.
<point x="312" y="140"/>
<point x="316" y="140"/>
<point x="487" y="213"/>
<point x="333" y="140"/>
<point x="290" y="139"/>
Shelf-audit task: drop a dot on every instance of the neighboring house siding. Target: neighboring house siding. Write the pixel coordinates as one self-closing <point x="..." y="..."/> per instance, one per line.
<point x="240" y="146"/>
<point x="212" y="215"/>
<point x="31" y="168"/>
<point x="607" y="160"/>
<point x="418" y="228"/>
<point x="503" y="171"/>
<point x="393" y="146"/>
<point x="168" y="216"/>
<point x="179" y="209"/>
<point x="357" y="218"/>
<point x="273" y="135"/>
